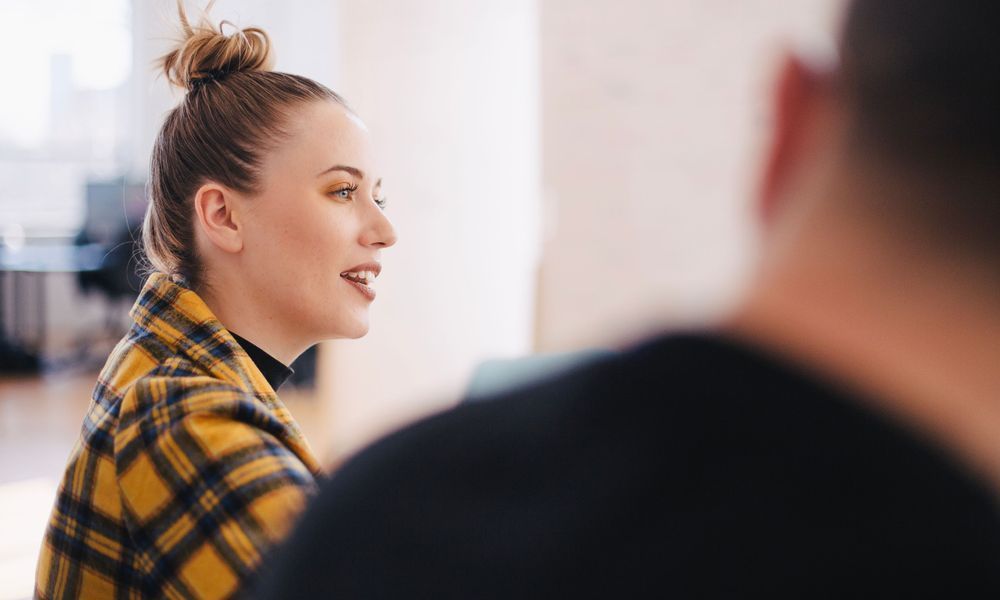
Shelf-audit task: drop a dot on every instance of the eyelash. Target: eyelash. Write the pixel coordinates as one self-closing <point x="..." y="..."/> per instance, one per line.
<point x="380" y="202"/>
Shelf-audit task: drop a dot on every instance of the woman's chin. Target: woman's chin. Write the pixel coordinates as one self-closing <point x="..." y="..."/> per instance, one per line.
<point x="353" y="331"/>
<point x="347" y="325"/>
<point x="358" y="334"/>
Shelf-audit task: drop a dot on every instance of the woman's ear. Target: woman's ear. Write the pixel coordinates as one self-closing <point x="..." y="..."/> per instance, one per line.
<point x="216" y="216"/>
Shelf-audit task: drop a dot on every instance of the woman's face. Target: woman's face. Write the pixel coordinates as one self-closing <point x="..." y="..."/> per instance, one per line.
<point x="314" y="235"/>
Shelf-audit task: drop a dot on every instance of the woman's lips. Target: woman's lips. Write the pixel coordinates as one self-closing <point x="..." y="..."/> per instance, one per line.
<point x="362" y="276"/>
<point x="366" y="290"/>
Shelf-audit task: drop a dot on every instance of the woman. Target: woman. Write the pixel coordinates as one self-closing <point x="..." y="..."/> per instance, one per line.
<point x="264" y="229"/>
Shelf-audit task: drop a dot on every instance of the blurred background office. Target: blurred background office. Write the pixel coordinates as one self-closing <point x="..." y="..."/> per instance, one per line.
<point x="563" y="175"/>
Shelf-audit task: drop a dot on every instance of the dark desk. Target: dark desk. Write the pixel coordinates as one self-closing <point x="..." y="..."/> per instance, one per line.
<point x="31" y="264"/>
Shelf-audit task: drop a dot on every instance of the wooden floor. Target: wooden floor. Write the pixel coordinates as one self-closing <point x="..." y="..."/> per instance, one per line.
<point x="40" y="419"/>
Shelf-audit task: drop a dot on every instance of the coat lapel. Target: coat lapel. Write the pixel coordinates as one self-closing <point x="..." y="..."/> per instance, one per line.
<point x="181" y="319"/>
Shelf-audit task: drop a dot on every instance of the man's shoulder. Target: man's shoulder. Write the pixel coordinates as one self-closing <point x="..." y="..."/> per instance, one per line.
<point x="671" y="375"/>
<point x="662" y="408"/>
<point x="665" y="393"/>
<point x="681" y="454"/>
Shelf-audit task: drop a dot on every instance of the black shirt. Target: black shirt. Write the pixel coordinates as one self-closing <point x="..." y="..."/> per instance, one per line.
<point x="274" y="371"/>
<point x="689" y="467"/>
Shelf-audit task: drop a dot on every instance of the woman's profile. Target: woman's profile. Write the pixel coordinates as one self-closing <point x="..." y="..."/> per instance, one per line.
<point x="264" y="232"/>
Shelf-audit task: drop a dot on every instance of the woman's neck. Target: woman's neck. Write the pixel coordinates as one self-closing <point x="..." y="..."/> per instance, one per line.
<point x="262" y="326"/>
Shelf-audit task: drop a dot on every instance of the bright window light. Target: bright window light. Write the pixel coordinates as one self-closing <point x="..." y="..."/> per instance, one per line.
<point x="91" y="39"/>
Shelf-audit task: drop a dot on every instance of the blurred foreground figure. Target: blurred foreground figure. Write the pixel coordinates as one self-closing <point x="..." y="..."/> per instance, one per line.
<point x="838" y="436"/>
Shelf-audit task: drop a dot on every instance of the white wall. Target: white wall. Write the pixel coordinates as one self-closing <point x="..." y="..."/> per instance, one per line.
<point x="652" y="115"/>
<point x="449" y="91"/>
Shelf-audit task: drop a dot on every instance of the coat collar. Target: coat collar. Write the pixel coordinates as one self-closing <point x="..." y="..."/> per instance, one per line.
<point x="179" y="318"/>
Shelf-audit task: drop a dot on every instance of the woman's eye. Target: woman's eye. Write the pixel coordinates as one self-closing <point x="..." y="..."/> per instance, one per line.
<point x="344" y="193"/>
<point x="380" y="202"/>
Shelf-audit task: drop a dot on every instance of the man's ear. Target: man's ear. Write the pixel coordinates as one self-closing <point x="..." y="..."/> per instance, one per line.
<point x="794" y="101"/>
<point x="217" y="217"/>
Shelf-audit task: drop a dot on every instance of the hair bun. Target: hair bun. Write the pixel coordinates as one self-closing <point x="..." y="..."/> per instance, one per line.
<point x="207" y="54"/>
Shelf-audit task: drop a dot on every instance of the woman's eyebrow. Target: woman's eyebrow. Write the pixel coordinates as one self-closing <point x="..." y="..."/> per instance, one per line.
<point x="353" y="171"/>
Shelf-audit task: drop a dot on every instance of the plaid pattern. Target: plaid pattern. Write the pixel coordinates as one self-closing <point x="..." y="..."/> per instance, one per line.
<point x="187" y="470"/>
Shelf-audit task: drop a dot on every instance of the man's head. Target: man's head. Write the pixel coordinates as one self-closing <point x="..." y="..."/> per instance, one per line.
<point x="881" y="205"/>
<point x="906" y="126"/>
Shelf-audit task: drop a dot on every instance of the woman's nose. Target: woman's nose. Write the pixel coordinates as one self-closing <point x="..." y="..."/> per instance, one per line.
<point x="381" y="233"/>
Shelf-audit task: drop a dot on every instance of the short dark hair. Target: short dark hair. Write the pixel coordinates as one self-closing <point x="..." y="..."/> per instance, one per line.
<point x="922" y="78"/>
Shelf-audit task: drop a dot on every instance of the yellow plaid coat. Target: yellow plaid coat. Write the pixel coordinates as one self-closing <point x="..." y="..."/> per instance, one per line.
<point x="187" y="470"/>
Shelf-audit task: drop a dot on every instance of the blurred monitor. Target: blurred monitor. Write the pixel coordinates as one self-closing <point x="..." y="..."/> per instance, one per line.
<point x="494" y="377"/>
<point x="113" y="208"/>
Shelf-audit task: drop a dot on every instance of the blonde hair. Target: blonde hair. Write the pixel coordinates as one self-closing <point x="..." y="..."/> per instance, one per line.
<point x="234" y="111"/>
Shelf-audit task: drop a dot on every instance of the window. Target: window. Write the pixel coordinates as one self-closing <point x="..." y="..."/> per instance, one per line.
<point x="65" y="114"/>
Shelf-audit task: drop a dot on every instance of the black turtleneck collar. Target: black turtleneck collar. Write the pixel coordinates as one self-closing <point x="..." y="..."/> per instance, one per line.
<point x="273" y="370"/>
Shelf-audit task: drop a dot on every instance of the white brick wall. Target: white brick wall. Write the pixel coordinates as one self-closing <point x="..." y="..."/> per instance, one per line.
<point x="652" y="114"/>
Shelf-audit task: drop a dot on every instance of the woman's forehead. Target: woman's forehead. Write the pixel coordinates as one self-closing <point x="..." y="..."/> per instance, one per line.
<point x="323" y="135"/>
